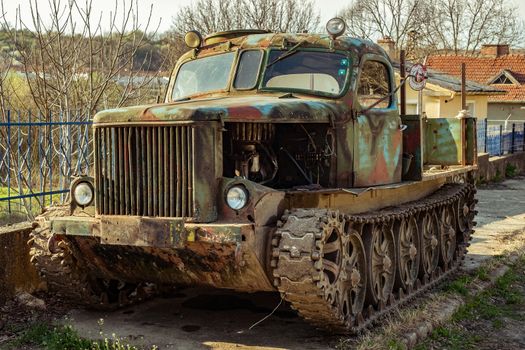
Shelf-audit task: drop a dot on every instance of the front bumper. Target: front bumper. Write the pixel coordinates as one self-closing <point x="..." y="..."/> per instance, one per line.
<point x="169" y="251"/>
<point x="150" y="232"/>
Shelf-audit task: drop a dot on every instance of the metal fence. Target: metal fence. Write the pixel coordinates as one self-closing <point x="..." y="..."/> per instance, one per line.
<point x="500" y="137"/>
<point x="38" y="156"/>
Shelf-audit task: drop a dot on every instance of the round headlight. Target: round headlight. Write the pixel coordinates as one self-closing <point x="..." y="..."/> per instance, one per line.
<point x="83" y="193"/>
<point x="335" y="27"/>
<point x="237" y="197"/>
<point x="193" y="39"/>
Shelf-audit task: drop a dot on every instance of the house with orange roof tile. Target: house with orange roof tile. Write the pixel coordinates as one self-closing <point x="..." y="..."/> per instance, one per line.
<point x="497" y="67"/>
<point x="441" y="96"/>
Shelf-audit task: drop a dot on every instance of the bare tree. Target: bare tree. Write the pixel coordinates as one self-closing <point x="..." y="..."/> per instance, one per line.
<point x="375" y="19"/>
<point x="462" y="26"/>
<point x="74" y="60"/>
<point x="208" y="16"/>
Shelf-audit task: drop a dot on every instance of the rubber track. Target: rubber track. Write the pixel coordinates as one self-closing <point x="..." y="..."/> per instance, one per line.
<point x="297" y="272"/>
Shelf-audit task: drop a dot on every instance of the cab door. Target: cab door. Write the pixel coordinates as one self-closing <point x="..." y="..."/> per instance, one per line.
<point x="377" y="126"/>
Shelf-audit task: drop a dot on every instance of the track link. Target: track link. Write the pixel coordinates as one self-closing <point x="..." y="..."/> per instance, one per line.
<point x="306" y="281"/>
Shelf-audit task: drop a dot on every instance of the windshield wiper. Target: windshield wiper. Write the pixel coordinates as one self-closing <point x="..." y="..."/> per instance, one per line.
<point x="288" y="53"/>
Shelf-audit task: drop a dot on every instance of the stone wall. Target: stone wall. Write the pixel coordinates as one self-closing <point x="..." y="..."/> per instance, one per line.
<point x="497" y="168"/>
<point x="17" y="274"/>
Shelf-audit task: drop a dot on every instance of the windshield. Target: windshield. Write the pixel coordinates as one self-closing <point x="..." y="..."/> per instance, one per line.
<point x="312" y="71"/>
<point x="202" y="75"/>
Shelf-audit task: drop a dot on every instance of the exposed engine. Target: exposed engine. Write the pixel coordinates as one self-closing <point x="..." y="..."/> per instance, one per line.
<point x="279" y="155"/>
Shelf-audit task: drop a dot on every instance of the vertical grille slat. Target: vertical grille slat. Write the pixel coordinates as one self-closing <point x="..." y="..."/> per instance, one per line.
<point x="145" y="170"/>
<point x="166" y="163"/>
<point x="160" y="182"/>
<point x="189" y="175"/>
<point x="183" y="146"/>
<point x="144" y="173"/>
<point x="149" y="186"/>
<point x="109" y="169"/>
<point x="119" y="177"/>
<point x="98" y="169"/>
<point x="178" y="161"/>
<point x="136" y="185"/>
<point x="104" y="170"/>
<point x="155" y="165"/>
<point x="127" y="172"/>
<point x="173" y="183"/>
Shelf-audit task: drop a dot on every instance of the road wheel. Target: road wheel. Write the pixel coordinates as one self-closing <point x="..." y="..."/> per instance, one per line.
<point x="381" y="262"/>
<point x="429" y="234"/>
<point x="447" y="239"/>
<point x="408" y="253"/>
<point x="355" y="264"/>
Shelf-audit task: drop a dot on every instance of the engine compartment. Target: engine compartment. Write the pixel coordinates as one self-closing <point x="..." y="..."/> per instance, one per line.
<point x="284" y="155"/>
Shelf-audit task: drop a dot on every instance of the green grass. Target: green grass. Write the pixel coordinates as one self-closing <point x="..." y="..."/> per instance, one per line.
<point x="483" y="273"/>
<point x="18" y="211"/>
<point x="459" y="285"/>
<point x="452" y="338"/>
<point x="46" y="337"/>
<point x="481" y="181"/>
<point x="511" y="170"/>
<point x="50" y="338"/>
<point x="492" y="306"/>
<point x="497" y="177"/>
<point x="395" y="344"/>
<point x="484" y="306"/>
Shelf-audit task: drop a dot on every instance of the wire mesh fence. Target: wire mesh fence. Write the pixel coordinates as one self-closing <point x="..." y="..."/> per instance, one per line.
<point x="500" y="137"/>
<point x="481" y="133"/>
<point x="38" y="157"/>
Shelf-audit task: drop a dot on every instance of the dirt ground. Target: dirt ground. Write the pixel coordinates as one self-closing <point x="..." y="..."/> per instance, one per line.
<point x="18" y="315"/>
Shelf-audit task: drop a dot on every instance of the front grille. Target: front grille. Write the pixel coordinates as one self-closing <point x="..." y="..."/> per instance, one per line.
<point x="145" y="170"/>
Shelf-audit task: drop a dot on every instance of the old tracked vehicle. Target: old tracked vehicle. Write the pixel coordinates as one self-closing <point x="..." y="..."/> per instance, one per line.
<point x="277" y="162"/>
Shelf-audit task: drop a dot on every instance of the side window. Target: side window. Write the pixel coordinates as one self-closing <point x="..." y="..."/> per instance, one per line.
<point x="248" y="69"/>
<point x="374" y="85"/>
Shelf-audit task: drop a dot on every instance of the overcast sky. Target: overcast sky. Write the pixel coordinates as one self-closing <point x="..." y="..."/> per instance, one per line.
<point x="164" y="10"/>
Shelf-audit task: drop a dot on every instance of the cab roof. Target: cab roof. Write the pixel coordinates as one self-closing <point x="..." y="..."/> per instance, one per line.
<point x="246" y="40"/>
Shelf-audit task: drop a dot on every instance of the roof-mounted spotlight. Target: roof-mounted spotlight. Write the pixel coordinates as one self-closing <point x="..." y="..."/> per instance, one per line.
<point x="336" y="27"/>
<point x="193" y="39"/>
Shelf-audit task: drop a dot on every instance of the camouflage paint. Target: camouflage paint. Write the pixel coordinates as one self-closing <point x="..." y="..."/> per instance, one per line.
<point x="443" y="141"/>
<point x="221" y="247"/>
<point x="74" y="226"/>
<point x="259" y="108"/>
<point x="378" y="139"/>
<point x="140" y="231"/>
<point x="378" y="149"/>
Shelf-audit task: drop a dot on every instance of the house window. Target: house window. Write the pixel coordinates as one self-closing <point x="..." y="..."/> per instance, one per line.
<point x="502" y="79"/>
<point x="374" y="86"/>
<point x="471" y="106"/>
<point x="411" y="108"/>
